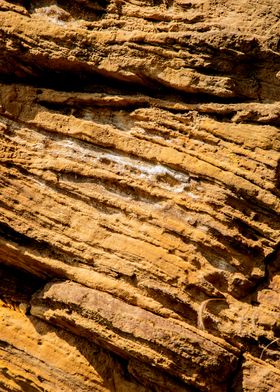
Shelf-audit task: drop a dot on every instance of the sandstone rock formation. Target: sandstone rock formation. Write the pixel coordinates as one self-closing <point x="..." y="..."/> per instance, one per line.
<point x="139" y="198"/>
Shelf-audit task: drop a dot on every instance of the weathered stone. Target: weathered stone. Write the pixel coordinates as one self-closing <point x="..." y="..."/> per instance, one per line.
<point x="139" y="153"/>
<point x="130" y="331"/>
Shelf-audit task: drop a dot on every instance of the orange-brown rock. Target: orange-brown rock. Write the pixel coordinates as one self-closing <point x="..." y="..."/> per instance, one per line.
<point x="139" y="197"/>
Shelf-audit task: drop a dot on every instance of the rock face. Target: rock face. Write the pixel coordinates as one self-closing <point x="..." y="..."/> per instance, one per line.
<point x="139" y="198"/>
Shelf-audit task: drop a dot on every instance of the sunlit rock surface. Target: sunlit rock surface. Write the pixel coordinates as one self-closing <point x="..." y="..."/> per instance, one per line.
<point x="139" y="197"/>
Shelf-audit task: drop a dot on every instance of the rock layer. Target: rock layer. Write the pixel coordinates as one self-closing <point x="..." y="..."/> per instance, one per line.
<point x="140" y="194"/>
<point x="133" y="332"/>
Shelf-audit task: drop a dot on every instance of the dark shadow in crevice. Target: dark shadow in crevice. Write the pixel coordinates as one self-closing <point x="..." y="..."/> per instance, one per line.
<point x="272" y="268"/>
<point x="17" y="286"/>
<point x="62" y="75"/>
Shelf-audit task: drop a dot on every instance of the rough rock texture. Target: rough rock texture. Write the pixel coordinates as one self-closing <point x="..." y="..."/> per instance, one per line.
<point x="139" y="198"/>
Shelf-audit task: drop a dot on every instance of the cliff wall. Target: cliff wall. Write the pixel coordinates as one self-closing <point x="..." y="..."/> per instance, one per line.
<point x="139" y="197"/>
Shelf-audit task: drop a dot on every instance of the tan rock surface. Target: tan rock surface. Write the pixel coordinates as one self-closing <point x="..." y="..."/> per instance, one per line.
<point x="36" y="356"/>
<point x="140" y="172"/>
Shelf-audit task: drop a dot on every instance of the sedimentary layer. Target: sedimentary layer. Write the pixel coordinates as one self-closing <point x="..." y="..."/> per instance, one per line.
<point x="139" y="197"/>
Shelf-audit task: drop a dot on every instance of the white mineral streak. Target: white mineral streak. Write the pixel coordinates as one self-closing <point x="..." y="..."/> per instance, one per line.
<point x="54" y="14"/>
<point x="152" y="172"/>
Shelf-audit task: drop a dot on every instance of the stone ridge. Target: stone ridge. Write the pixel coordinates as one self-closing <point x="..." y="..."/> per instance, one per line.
<point x="134" y="332"/>
<point x="140" y="172"/>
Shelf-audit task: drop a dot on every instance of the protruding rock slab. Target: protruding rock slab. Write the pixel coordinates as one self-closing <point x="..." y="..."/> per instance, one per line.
<point x="35" y="356"/>
<point x="194" y="357"/>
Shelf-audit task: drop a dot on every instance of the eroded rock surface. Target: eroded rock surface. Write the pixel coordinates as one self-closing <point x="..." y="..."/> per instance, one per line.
<point x="139" y="198"/>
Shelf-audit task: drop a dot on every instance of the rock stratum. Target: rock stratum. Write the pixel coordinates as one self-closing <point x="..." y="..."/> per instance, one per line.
<point x="139" y="198"/>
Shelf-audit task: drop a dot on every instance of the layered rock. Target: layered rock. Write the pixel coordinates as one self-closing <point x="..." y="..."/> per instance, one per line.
<point x="140" y="194"/>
